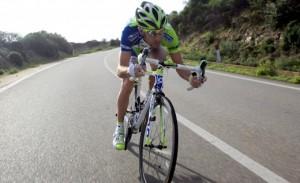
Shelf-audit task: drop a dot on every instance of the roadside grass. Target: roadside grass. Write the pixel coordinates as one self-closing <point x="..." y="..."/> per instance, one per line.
<point x="286" y="76"/>
<point x="13" y="71"/>
<point x="2" y="72"/>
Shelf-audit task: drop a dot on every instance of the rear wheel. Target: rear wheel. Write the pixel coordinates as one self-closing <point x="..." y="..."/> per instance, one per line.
<point x="128" y="119"/>
<point x="159" y="144"/>
<point x="128" y="133"/>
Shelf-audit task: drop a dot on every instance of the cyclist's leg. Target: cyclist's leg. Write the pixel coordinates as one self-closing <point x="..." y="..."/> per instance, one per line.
<point x="123" y="98"/>
<point x="122" y="103"/>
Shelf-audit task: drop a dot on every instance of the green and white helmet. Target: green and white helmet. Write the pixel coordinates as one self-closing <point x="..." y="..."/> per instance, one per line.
<point x="150" y="16"/>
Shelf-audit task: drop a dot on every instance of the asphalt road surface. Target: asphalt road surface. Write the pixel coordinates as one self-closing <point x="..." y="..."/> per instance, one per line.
<point x="57" y="125"/>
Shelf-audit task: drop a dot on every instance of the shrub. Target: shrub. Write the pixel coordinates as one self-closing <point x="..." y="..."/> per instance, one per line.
<point x="47" y="44"/>
<point x="13" y="71"/>
<point x="249" y="61"/>
<point x="92" y="44"/>
<point x="211" y="55"/>
<point x="60" y="42"/>
<point x="287" y="11"/>
<point x="268" y="45"/>
<point x="209" y="38"/>
<point x="288" y="63"/>
<point x="1" y="71"/>
<point x="15" y="58"/>
<point x="192" y="55"/>
<point x="296" y="80"/>
<point x="292" y="36"/>
<point x="266" y="67"/>
<point x="230" y="49"/>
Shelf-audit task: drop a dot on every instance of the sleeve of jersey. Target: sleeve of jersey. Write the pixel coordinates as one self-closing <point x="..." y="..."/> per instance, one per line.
<point x="126" y="45"/>
<point x="172" y="41"/>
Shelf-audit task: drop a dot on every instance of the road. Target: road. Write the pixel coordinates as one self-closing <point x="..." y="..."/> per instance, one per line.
<point x="57" y="125"/>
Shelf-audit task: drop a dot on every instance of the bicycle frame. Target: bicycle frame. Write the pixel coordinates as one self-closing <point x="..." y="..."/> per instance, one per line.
<point x="158" y="86"/>
<point x="150" y="102"/>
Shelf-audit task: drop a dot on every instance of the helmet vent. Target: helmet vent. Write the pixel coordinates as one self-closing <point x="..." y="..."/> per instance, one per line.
<point x="147" y="9"/>
<point x="143" y="14"/>
<point x="137" y="15"/>
<point x="155" y="14"/>
<point x="151" y="23"/>
<point x="163" y="21"/>
<point x="142" y="24"/>
<point x="156" y="8"/>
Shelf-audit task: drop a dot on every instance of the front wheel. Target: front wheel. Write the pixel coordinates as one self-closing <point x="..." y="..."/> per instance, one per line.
<point x="159" y="144"/>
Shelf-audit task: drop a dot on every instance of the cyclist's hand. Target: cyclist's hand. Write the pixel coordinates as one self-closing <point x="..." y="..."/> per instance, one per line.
<point x="135" y="70"/>
<point x="196" y="82"/>
<point x="139" y="71"/>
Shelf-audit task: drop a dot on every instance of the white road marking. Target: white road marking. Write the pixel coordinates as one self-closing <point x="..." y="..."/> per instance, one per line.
<point x="254" y="80"/>
<point x="238" y="156"/>
<point x="26" y="77"/>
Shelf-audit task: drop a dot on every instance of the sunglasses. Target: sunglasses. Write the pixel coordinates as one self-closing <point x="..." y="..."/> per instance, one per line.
<point x="154" y="33"/>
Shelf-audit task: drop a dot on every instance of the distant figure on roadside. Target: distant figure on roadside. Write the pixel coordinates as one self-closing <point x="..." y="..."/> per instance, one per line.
<point x="218" y="54"/>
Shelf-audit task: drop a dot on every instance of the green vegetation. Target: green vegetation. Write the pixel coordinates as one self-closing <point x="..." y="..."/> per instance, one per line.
<point x="262" y="35"/>
<point x="266" y="68"/>
<point x="281" y="75"/>
<point x="13" y="71"/>
<point x="36" y="48"/>
<point x="15" y="58"/>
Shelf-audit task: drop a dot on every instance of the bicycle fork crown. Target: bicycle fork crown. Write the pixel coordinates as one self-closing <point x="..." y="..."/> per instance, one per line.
<point x="158" y="85"/>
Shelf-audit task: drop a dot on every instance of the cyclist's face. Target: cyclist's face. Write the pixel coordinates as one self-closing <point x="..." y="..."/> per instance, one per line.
<point x="154" y="37"/>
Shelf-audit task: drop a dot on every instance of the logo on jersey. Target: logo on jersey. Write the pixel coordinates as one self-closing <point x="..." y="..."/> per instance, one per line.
<point x="133" y="37"/>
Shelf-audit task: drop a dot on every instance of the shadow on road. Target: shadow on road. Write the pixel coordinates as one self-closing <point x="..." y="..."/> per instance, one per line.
<point x="192" y="176"/>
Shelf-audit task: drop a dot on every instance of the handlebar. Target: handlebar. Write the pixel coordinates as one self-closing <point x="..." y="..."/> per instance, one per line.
<point x="198" y="71"/>
<point x="202" y="66"/>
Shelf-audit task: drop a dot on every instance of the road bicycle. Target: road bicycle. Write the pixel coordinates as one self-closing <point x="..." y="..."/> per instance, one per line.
<point x="155" y="119"/>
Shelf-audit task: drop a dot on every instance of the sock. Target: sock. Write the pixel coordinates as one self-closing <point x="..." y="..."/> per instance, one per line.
<point x="120" y="124"/>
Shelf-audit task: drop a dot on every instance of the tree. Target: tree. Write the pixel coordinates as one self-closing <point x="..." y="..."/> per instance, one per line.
<point x="8" y="38"/>
<point x="41" y="44"/>
<point x="47" y="44"/>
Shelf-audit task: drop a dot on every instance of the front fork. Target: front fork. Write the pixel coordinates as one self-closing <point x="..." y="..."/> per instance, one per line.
<point x="152" y="118"/>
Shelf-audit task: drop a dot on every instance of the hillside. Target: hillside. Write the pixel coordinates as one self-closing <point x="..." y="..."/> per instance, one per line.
<point x="258" y="33"/>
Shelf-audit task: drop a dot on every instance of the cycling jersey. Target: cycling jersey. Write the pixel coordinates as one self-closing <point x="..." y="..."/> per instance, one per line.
<point x="132" y="40"/>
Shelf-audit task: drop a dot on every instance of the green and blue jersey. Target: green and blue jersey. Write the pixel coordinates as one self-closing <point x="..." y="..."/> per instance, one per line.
<point x="132" y="40"/>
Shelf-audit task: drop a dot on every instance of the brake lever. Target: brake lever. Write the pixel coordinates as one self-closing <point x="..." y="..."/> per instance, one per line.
<point x="201" y="72"/>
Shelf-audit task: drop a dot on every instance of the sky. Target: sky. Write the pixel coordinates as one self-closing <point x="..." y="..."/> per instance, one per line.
<point x="76" y="20"/>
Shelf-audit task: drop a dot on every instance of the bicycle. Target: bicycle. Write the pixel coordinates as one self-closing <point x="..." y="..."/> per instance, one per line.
<point x="156" y="119"/>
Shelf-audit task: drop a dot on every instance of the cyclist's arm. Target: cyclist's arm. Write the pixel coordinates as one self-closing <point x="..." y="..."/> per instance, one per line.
<point x="176" y="57"/>
<point x="122" y="69"/>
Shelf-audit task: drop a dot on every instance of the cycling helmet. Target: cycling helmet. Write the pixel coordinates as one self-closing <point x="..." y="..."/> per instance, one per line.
<point x="150" y="16"/>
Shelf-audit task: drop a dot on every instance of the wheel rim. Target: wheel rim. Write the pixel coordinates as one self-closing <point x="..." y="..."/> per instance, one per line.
<point x="157" y="156"/>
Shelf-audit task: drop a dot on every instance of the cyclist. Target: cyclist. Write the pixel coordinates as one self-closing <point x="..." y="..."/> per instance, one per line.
<point x="149" y="28"/>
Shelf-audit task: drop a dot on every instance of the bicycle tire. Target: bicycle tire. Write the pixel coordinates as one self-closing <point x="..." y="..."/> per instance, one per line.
<point x="128" y="117"/>
<point x="128" y="135"/>
<point x="146" y="167"/>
